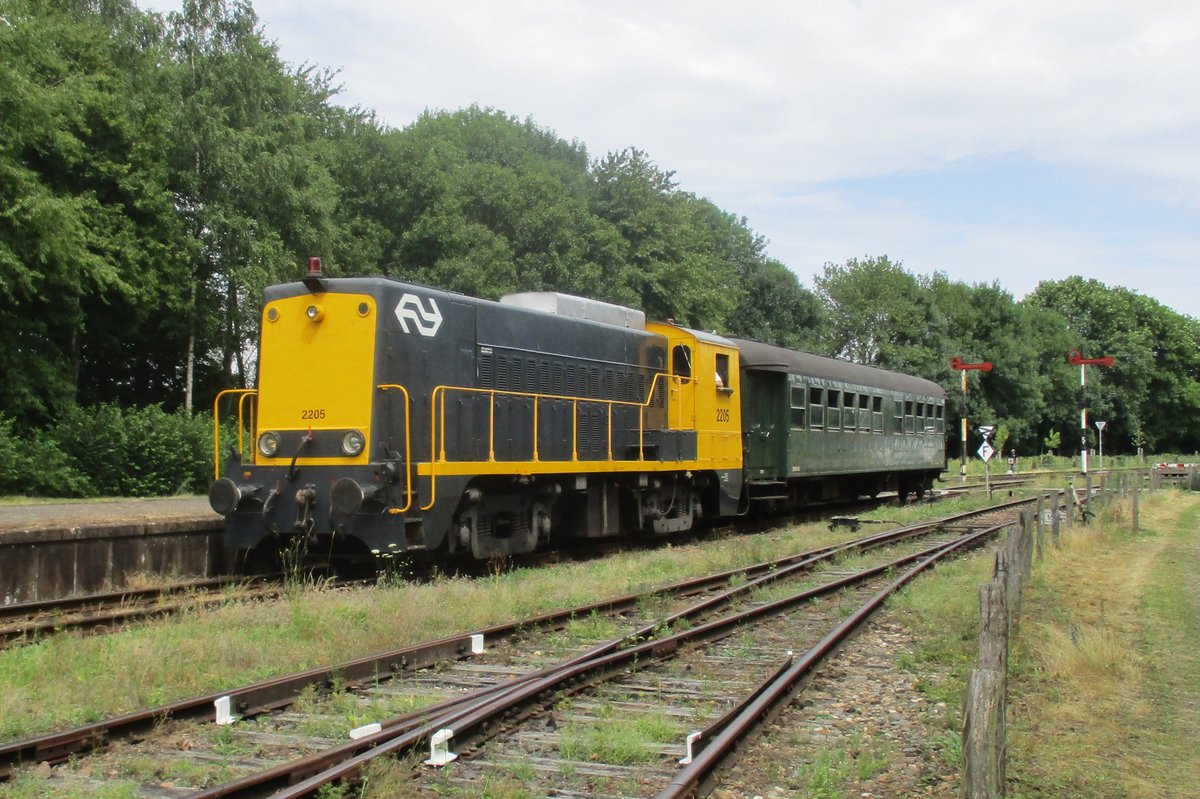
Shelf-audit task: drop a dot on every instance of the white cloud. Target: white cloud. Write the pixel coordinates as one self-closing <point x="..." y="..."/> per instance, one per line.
<point x="766" y="107"/>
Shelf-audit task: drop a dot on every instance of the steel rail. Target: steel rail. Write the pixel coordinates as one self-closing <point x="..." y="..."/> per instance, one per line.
<point x="87" y="602"/>
<point x="96" y="610"/>
<point x="263" y="696"/>
<point x="260" y="697"/>
<point x="473" y="718"/>
<point x="697" y="775"/>
<point x="418" y="722"/>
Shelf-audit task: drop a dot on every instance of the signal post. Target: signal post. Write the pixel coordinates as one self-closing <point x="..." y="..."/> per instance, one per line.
<point x="1075" y="358"/>
<point x="957" y="364"/>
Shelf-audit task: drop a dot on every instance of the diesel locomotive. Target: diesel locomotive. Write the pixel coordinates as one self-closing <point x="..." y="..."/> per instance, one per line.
<point x="398" y="418"/>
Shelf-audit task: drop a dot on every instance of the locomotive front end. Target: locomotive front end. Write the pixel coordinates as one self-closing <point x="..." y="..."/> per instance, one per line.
<point x="306" y="464"/>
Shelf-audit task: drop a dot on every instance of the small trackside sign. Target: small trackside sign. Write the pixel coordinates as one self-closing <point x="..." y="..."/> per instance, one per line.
<point x="427" y="320"/>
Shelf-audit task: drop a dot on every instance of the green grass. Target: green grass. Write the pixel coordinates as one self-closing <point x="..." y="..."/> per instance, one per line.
<point x="619" y="739"/>
<point x="1104" y="685"/>
<point x="73" y="679"/>
<point x="32" y="787"/>
<point x="1108" y="686"/>
<point x="832" y="771"/>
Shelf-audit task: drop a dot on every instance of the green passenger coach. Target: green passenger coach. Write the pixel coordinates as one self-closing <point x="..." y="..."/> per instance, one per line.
<point x="818" y="429"/>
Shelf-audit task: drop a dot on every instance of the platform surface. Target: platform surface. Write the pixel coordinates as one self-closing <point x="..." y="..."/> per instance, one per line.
<point x="47" y="516"/>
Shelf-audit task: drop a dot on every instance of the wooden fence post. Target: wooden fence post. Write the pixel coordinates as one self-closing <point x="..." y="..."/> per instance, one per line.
<point x="1026" y="544"/>
<point x="984" y="708"/>
<point x="1071" y="502"/>
<point x="1041" y="524"/>
<point x="1088" y="508"/>
<point x="1136" y="509"/>
<point x="1054" y="523"/>
<point x="1017" y="569"/>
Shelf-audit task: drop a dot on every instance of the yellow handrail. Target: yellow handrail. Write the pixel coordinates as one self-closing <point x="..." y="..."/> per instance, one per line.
<point x="409" y="473"/>
<point x="253" y="417"/>
<point x="217" y="425"/>
<point x="438" y="432"/>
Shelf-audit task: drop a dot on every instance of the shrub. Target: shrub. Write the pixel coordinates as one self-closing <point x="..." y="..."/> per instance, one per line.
<point x="36" y="465"/>
<point x="105" y="450"/>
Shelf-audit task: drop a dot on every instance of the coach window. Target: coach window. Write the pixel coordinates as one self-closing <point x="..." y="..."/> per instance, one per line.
<point x="898" y="415"/>
<point x="722" y="376"/>
<point x="941" y="418"/>
<point x="908" y="416"/>
<point x="816" y="408"/>
<point x="919" y="426"/>
<point x="877" y="414"/>
<point x="849" y="400"/>
<point x="833" y="413"/>
<point x="681" y="361"/>
<point x="798" y="407"/>
<point x="864" y="413"/>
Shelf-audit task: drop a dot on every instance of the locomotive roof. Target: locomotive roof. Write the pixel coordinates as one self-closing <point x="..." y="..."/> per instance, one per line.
<point x="765" y="357"/>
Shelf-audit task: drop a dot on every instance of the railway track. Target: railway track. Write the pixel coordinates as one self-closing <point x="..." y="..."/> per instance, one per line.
<point x="709" y="653"/>
<point x="24" y="622"/>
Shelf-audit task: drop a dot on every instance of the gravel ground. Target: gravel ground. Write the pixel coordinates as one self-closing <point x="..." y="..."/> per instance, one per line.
<point x="860" y="708"/>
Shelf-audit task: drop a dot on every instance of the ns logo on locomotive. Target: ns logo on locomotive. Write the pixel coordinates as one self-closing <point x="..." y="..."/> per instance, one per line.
<point x="391" y="417"/>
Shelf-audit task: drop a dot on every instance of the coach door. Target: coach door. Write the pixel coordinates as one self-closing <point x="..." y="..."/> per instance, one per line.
<point x="764" y="421"/>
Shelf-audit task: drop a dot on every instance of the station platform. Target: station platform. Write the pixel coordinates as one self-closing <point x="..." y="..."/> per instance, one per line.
<point x="55" y="549"/>
<point x="42" y="517"/>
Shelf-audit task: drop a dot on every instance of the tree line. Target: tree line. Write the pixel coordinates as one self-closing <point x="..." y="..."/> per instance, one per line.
<point x="158" y="171"/>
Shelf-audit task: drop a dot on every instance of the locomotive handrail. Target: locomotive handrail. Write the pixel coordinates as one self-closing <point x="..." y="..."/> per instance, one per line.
<point x="409" y="473"/>
<point x="243" y="395"/>
<point x="438" y="432"/>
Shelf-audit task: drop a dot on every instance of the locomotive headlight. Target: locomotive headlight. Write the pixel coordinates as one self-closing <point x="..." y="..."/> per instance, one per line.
<point x="268" y="443"/>
<point x="315" y="313"/>
<point x="353" y="443"/>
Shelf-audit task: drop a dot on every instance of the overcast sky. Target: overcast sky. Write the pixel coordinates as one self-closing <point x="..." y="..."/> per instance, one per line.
<point x="1014" y="141"/>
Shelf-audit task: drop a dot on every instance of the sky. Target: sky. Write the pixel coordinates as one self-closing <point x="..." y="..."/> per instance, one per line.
<point x="1014" y="141"/>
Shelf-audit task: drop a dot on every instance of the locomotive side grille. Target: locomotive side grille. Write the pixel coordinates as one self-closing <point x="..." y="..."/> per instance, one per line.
<point x="502" y="382"/>
<point x="487" y="371"/>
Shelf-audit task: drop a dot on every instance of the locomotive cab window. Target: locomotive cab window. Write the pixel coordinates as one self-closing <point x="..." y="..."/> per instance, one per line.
<point x="681" y="361"/>
<point x="722" y="376"/>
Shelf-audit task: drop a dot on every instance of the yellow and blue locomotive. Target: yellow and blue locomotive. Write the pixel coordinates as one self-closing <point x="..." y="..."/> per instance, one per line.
<point x="392" y="417"/>
<point x="399" y="418"/>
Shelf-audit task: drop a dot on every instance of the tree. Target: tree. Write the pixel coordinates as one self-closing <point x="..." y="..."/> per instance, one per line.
<point x="247" y="169"/>
<point x="1151" y="393"/>
<point x="86" y="221"/>
<point x="881" y="315"/>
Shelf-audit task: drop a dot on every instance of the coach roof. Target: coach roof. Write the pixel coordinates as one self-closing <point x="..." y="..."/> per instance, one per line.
<point x="768" y="358"/>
